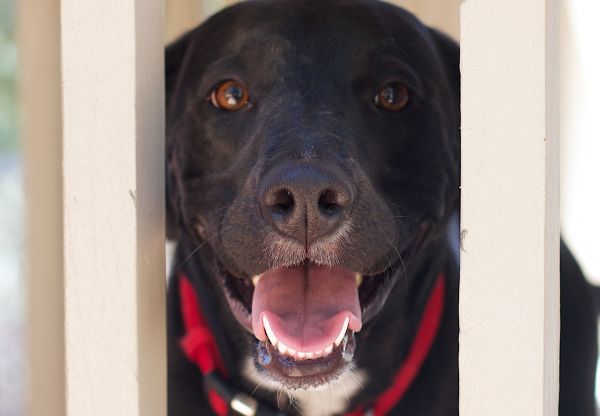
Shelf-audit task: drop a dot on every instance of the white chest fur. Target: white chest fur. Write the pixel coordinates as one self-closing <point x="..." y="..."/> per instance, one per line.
<point x="332" y="399"/>
<point x="324" y="401"/>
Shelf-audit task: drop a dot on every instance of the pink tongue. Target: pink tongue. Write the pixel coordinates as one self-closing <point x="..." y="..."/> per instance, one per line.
<point x="306" y="306"/>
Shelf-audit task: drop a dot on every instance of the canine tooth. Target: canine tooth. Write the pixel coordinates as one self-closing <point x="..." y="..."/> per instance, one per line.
<point x="344" y="343"/>
<point x="359" y="278"/>
<point x="291" y="351"/>
<point x="340" y="336"/>
<point x="328" y="350"/>
<point x="269" y="331"/>
<point x="282" y="348"/>
<point x="301" y="354"/>
<point x="255" y="280"/>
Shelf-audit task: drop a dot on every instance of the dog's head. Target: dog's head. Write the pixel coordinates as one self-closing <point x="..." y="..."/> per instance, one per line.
<point x="312" y="153"/>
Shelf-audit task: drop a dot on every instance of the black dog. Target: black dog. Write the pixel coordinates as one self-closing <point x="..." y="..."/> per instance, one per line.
<point x="313" y="169"/>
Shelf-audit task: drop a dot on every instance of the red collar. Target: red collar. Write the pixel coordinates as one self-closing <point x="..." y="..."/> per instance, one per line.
<point x="200" y="347"/>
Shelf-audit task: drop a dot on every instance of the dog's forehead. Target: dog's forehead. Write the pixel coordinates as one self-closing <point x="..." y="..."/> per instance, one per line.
<point x="348" y="32"/>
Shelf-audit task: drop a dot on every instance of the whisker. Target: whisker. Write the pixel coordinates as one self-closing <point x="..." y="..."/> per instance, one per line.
<point x="279" y="394"/>
<point x="357" y="379"/>
<point x="290" y="400"/>
<point x="402" y="262"/>
<point x="194" y="251"/>
<point x="259" y="385"/>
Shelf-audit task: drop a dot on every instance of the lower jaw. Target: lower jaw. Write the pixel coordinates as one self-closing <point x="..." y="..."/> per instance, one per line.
<point x="293" y="374"/>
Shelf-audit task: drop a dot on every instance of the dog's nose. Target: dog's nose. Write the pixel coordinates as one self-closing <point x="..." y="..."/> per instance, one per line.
<point x="305" y="202"/>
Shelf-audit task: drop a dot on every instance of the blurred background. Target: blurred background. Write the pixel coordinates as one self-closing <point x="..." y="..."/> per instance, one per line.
<point x="580" y="170"/>
<point x="12" y="346"/>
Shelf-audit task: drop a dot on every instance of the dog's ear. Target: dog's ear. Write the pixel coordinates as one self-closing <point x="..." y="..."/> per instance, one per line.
<point x="175" y="56"/>
<point x="448" y="53"/>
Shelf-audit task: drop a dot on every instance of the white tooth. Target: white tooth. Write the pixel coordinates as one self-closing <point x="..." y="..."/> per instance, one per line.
<point x="318" y="353"/>
<point x="255" y="280"/>
<point x="309" y="355"/>
<point x="328" y="350"/>
<point x="359" y="278"/>
<point x="269" y="331"/>
<point x="291" y="351"/>
<point x="340" y="336"/>
<point x="282" y="348"/>
<point x="301" y="355"/>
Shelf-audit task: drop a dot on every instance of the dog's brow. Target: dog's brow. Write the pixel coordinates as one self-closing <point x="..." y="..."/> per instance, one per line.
<point x="227" y="63"/>
<point x="388" y="57"/>
<point x="389" y="66"/>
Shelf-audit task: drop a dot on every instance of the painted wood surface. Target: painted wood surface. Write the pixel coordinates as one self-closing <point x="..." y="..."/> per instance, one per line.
<point x="39" y="85"/>
<point x="113" y="173"/>
<point x="509" y="296"/>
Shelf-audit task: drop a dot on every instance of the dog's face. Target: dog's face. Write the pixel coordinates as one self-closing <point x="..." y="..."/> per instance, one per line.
<point x="312" y="153"/>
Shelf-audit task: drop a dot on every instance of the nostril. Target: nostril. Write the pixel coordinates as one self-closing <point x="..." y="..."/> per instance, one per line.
<point x="330" y="202"/>
<point x="304" y="201"/>
<point x="282" y="202"/>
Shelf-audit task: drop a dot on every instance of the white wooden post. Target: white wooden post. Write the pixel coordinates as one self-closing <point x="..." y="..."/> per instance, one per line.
<point x="113" y="171"/>
<point x="39" y="50"/>
<point x="509" y="296"/>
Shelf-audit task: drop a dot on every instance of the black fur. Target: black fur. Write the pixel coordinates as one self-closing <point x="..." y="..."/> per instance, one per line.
<point x="313" y="68"/>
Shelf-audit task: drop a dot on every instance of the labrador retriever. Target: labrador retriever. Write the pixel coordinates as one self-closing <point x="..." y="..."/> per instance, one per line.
<point x="313" y="174"/>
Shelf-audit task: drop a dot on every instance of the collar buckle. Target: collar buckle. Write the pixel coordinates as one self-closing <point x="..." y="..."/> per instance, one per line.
<point x="243" y="405"/>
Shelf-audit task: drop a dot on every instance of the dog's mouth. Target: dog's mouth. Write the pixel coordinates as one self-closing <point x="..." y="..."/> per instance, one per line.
<point x="304" y="317"/>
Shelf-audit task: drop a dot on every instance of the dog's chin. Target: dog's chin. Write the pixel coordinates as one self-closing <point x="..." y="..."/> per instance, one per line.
<point x="288" y="372"/>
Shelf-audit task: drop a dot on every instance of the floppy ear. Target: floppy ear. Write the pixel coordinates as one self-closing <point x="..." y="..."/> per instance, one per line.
<point x="448" y="53"/>
<point x="175" y="55"/>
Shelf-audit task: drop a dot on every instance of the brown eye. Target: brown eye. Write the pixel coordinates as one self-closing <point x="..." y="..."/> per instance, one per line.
<point x="230" y="95"/>
<point x="392" y="97"/>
